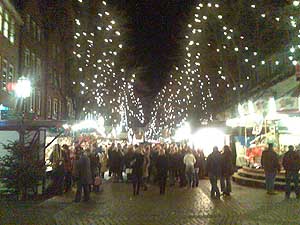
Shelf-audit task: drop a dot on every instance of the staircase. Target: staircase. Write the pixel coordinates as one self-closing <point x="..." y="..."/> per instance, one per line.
<point x="256" y="178"/>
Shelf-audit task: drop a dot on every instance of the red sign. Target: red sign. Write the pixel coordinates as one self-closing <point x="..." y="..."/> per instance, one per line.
<point x="11" y="86"/>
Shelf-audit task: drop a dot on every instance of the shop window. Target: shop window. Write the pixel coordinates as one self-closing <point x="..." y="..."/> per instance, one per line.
<point x="5" y="24"/>
<point x="38" y="102"/>
<point x="1" y="18"/>
<point x="12" y="32"/>
<point x="49" y="108"/>
<point x="27" y="57"/>
<point x="4" y="74"/>
<point x="55" y="108"/>
<point x="11" y="73"/>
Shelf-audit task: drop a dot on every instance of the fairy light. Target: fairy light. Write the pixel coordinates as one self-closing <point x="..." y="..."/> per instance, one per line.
<point x="193" y="77"/>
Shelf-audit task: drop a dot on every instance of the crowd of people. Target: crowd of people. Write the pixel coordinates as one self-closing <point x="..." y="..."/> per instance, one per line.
<point x="162" y="164"/>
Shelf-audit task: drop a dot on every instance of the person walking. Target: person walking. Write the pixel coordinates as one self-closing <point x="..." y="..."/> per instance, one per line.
<point x="162" y="170"/>
<point x="189" y="161"/>
<point x="227" y="171"/>
<point x="270" y="163"/>
<point x="137" y="170"/>
<point x="146" y="166"/>
<point x="83" y="176"/>
<point x="214" y="171"/>
<point x="291" y="164"/>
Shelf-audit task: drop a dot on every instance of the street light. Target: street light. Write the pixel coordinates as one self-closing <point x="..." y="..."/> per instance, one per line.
<point x="23" y="87"/>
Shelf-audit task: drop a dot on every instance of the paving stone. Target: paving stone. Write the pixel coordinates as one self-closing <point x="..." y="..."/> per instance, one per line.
<point x="116" y="205"/>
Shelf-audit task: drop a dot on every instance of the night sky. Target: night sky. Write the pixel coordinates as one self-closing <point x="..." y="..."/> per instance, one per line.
<point x="155" y="32"/>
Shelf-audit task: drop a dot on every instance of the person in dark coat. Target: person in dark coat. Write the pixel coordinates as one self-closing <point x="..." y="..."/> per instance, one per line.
<point x="227" y="171"/>
<point x="95" y="169"/>
<point x="291" y="164"/>
<point x="172" y="166"/>
<point x="129" y="156"/>
<point x="82" y="173"/>
<point x="162" y="170"/>
<point x="67" y="167"/>
<point x="213" y="168"/>
<point x="152" y="169"/>
<point x="181" y="165"/>
<point x="270" y="163"/>
<point x="137" y="171"/>
<point x="197" y="168"/>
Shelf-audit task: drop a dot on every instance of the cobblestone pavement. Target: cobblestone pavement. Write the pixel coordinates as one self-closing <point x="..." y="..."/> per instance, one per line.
<point x="116" y="205"/>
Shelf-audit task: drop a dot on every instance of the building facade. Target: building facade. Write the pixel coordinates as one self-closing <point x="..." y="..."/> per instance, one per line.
<point x="10" y="25"/>
<point x="35" y="42"/>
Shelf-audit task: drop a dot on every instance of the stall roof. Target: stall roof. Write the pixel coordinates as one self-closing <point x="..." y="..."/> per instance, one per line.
<point x="29" y="124"/>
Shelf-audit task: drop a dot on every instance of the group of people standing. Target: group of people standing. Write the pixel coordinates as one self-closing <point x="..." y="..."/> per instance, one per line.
<point x="291" y="164"/>
<point x="146" y="163"/>
<point x="141" y="164"/>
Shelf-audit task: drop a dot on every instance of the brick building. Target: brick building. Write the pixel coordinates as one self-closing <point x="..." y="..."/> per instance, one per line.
<point x="36" y="42"/>
<point x="33" y="55"/>
<point x="10" y="25"/>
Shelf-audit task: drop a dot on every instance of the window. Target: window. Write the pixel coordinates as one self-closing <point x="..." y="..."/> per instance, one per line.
<point x="34" y="29"/>
<point x="33" y="63"/>
<point x="54" y="51"/>
<point x="5" y="25"/>
<point x="55" y="108"/>
<point x="38" y="68"/>
<point x="11" y="73"/>
<point x="38" y="102"/>
<point x="27" y="57"/>
<point x="69" y="108"/>
<point x="28" y="22"/>
<point x="32" y="101"/>
<point x="12" y="32"/>
<point x="1" y="18"/>
<point x="4" y="74"/>
<point x="0" y="65"/>
<point x="59" y="110"/>
<point x="49" y="108"/>
<point x="38" y="30"/>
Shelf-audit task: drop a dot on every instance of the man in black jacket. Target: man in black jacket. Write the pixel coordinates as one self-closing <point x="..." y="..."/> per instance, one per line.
<point x="213" y="168"/>
<point x="291" y="164"/>
<point x="270" y="163"/>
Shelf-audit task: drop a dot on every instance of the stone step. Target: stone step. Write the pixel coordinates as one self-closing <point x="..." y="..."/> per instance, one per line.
<point x="246" y="181"/>
<point x="258" y="176"/>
